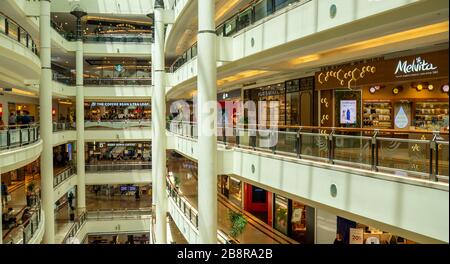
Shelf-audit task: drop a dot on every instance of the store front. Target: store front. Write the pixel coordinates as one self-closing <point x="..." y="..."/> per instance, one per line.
<point x="63" y="155"/>
<point x="24" y="113"/>
<point x="258" y="202"/>
<point x="294" y="219"/>
<point x="130" y="151"/>
<point x="352" y="232"/>
<point x="63" y="111"/>
<point x="231" y="188"/>
<point x="107" y="111"/>
<point x="406" y="93"/>
<point x="289" y="103"/>
<point x="229" y="102"/>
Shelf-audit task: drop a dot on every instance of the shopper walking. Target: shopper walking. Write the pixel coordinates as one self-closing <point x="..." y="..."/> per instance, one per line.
<point x="12" y="120"/>
<point x="4" y="194"/>
<point x="70" y="199"/>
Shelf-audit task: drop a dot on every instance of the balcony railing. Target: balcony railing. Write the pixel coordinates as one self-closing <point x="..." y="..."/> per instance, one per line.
<point x="63" y="126"/>
<point x="117" y="124"/>
<point x="118" y="166"/>
<point x="192" y="214"/>
<point x="127" y="81"/>
<point x="75" y="228"/>
<point x="245" y="18"/>
<point x="64" y="175"/>
<point x="119" y="214"/>
<point x="11" y="29"/>
<point x="24" y="232"/>
<point x="121" y="38"/>
<point x="18" y="135"/>
<point x="420" y="154"/>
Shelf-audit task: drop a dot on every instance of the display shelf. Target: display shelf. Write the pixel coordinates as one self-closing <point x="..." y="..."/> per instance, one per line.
<point x="377" y="114"/>
<point x="431" y="115"/>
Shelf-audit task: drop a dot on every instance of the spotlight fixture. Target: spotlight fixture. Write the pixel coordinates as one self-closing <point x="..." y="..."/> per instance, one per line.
<point x="445" y="88"/>
<point x="372" y="89"/>
<point x="397" y="89"/>
<point x="419" y="87"/>
<point x="430" y="87"/>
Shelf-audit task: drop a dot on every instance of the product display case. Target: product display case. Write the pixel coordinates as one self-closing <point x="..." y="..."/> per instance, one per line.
<point x="431" y="115"/>
<point x="377" y="114"/>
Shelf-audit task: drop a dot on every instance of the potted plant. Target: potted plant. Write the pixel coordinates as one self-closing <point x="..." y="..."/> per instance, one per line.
<point x="238" y="223"/>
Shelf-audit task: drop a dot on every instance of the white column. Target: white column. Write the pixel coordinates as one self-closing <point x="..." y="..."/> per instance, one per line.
<point x="45" y="102"/>
<point x="154" y="190"/>
<point x="81" y="195"/>
<point x="158" y="128"/>
<point x="207" y="119"/>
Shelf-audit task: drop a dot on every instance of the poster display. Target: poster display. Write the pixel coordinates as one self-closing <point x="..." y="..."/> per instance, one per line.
<point x="348" y="112"/>
<point x="356" y="236"/>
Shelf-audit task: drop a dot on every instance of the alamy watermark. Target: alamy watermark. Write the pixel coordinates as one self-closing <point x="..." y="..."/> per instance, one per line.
<point x="228" y="119"/>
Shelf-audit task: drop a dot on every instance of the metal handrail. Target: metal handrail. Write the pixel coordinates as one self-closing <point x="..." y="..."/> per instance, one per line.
<point x="328" y="142"/>
<point x="63" y="126"/>
<point x="18" y="135"/>
<point x="192" y="214"/>
<point x="126" y="213"/>
<point x="76" y="226"/>
<point x="22" y="233"/>
<point x="63" y="175"/>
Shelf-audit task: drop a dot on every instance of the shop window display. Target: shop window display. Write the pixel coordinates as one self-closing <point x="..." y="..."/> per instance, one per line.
<point x="377" y="114"/>
<point x="281" y="214"/>
<point x="104" y="111"/>
<point x="431" y="116"/>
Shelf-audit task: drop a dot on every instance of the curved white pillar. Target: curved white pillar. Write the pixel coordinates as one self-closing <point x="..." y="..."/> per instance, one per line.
<point x="207" y="122"/>
<point x="46" y="127"/>
<point x="158" y="128"/>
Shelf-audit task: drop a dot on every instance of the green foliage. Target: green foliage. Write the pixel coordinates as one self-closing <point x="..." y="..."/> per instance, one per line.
<point x="281" y="213"/>
<point x="238" y="223"/>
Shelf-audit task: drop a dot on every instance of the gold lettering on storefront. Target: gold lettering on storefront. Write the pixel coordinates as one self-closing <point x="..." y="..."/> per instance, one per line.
<point x="350" y="77"/>
<point x="324" y="102"/>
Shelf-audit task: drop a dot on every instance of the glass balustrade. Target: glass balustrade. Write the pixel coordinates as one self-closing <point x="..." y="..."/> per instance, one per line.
<point x="63" y="126"/>
<point x="64" y="175"/>
<point x="245" y="18"/>
<point x="18" y="135"/>
<point x="11" y="29"/>
<point x="192" y="214"/>
<point x="385" y="150"/>
<point x="117" y="166"/>
<point x="119" y="214"/>
<point x="24" y="231"/>
<point x="117" y="124"/>
<point x="77" y="225"/>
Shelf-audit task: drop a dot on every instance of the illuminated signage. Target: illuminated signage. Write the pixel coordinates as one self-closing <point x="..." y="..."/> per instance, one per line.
<point x="121" y="144"/>
<point x="120" y="104"/>
<point x="417" y="66"/>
